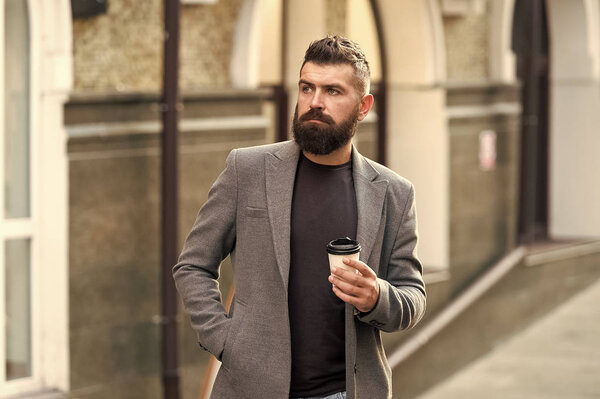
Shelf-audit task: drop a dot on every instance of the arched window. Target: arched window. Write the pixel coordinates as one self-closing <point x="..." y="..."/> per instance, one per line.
<point x="35" y="79"/>
<point x="17" y="216"/>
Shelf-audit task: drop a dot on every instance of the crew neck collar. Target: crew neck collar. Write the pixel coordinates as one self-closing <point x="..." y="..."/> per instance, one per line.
<point x="319" y="165"/>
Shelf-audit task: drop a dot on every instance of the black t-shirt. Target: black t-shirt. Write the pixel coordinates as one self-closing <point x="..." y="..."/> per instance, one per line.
<point x="323" y="209"/>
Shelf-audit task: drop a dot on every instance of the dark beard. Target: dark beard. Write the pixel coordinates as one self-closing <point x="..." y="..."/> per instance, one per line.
<point x="322" y="140"/>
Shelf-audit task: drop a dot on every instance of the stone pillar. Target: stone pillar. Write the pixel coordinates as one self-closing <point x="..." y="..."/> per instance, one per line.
<point x="502" y="60"/>
<point x="417" y="145"/>
<point x="305" y="22"/>
<point x="575" y="120"/>
<point x="52" y="81"/>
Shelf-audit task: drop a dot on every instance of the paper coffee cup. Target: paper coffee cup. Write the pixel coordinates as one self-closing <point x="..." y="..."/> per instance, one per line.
<point x="343" y="248"/>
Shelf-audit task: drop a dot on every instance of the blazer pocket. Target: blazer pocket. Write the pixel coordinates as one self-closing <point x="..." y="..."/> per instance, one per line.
<point x="237" y="322"/>
<point x="255" y="212"/>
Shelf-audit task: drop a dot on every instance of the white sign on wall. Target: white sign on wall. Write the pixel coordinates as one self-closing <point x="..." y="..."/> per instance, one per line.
<point x="487" y="150"/>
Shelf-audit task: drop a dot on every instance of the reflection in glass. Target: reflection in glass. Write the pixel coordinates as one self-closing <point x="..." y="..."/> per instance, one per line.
<point x="18" y="309"/>
<point x="16" y="110"/>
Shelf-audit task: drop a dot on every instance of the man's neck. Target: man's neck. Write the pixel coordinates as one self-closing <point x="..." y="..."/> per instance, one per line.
<point x="338" y="157"/>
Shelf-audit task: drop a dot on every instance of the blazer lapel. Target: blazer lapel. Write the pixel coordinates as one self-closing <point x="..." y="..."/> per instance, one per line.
<point x="280" y="174"/>
<point x="370" y="196"/>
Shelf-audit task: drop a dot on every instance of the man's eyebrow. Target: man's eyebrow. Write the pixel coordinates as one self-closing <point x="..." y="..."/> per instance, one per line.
<point x="335" y="86"/>
<point x="328" y="86"/>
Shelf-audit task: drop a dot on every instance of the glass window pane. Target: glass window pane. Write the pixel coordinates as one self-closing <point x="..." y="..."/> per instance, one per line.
<point x="18" y="308"/>
<point x="16" y="110"/>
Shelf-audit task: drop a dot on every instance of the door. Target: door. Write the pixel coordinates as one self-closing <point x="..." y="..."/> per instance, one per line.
<point x="530" y="43"/>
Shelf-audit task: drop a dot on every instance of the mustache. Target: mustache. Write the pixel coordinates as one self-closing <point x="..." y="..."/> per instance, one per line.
<point x="316" y="114"/>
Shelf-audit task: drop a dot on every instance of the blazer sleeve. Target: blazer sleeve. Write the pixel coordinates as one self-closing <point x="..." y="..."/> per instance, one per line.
<point x="210" y="241"/>
<point x="402" y="298"/>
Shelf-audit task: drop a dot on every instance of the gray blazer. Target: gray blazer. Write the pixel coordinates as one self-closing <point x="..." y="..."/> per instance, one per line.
<point x="247" y="216"/>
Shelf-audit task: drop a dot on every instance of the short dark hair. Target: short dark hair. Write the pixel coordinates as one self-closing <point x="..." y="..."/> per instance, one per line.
<point x="340" y="50"/>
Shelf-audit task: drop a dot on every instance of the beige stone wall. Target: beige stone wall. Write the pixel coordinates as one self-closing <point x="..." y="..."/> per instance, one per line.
<point x="269" y="67"/>
<point x="122" y="49"/>
<point x="467" y="47"/>
<point x="360" y="27"/>
<point x="335" y="17"/>
<point x="206" y="43"/>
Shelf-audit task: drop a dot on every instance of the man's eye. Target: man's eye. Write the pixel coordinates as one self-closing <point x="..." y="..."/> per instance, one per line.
<point x="306" y="89"/>
<point x="333" y="91"/>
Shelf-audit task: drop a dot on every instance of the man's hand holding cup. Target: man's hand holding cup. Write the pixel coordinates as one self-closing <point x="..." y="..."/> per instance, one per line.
<point x="353" y="281"/>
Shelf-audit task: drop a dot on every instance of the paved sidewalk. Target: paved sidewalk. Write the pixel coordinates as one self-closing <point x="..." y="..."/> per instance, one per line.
<point x="556" y="357"/>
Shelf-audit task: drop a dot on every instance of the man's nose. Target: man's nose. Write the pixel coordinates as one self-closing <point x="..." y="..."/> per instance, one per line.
<point x="317" y="100"/>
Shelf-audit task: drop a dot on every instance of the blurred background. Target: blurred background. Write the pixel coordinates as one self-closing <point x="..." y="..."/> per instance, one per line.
<point x="490" y="107"/>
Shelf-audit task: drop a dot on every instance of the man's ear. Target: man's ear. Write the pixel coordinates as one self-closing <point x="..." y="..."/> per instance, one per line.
<point x="366" y="103"/>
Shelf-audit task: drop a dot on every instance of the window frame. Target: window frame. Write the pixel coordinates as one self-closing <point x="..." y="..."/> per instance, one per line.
<point x="50" y="34"/>
<point x="21" y="228"/>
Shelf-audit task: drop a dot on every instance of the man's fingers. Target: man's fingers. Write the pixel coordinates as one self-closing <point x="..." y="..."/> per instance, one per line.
<point x="347" y="275"/>
<point x="360" y="266"/>
<point x="343" y="296"/>
<point x="358" y="289"/>
<point x="348" y="288"/>
<point x="357" y="302"/>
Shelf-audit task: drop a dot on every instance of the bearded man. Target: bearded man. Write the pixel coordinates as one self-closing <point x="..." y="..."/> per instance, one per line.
<point x="298" y="328"/>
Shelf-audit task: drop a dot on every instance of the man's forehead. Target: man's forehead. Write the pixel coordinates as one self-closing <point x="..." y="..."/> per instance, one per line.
<point x="327" y="73"/>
